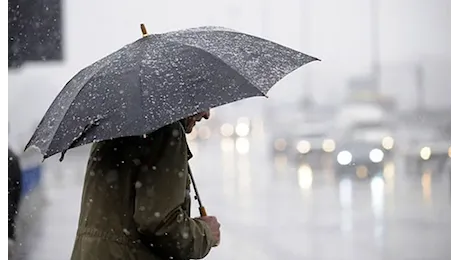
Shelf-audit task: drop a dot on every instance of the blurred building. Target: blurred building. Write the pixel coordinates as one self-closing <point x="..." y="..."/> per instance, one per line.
<point x="34" y="31"/>
<point x="421" y="85"/>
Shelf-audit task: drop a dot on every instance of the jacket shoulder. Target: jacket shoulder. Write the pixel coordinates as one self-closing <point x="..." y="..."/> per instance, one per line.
<point x="174" y="131"/>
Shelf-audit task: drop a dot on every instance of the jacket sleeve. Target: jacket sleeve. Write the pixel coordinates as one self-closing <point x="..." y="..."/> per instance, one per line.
<point x="160" y="192"/>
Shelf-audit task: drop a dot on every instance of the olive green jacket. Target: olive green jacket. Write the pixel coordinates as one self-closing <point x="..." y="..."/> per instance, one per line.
<point x="136" y="202"/>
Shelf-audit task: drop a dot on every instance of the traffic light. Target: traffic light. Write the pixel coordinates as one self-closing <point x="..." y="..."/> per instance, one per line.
<point x="34" y="31"/>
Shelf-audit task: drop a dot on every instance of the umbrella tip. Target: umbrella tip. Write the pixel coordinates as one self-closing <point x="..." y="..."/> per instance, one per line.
<point x="144" y="30"/>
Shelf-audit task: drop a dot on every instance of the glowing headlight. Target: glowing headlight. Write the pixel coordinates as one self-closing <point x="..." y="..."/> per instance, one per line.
<point x="242" y="129"/>
<point x="388" y="142"/>
<point x="328" y="145"/>
<point x="204" y="132"/>
<point x="344" y="157"/>
<point x="280" y="144"/>
<point x="226" y="130"/>
<point x="303" y="147"/>
<point x="448" y="152"/>
<point x="376" y="155"/>
<point x="425" y="153"/>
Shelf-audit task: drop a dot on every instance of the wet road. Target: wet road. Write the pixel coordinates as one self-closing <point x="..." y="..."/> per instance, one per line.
<point x="270" y="209"/>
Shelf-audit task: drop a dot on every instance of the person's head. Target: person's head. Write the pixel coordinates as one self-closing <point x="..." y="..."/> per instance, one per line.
<point x="189" y="122"/>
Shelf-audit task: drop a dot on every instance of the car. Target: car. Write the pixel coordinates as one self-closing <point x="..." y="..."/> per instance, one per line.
<point x="241" y="128"/>
<point x="301" y="131"/>
<point x="378" y="133"/>
<point x="280" y="132"/>
<point x="359" y="157"/>
<point x="200" y="132"/>
<point x="427" y="150"/>
<point x="433" y="156"/>
<point x="311" y="142"/>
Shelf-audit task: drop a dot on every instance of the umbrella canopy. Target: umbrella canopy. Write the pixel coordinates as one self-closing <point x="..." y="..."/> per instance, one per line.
<point x="159" y="79"/>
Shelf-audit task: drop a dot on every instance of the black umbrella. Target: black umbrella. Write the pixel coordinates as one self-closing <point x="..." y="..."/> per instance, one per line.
<point x="160" y="79"/>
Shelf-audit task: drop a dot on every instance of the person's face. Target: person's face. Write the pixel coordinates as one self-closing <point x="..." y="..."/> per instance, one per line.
<point x="190" y="121"/>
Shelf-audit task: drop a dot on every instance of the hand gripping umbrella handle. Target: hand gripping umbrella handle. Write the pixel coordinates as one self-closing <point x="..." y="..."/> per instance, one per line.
<point x="202" y="211"/>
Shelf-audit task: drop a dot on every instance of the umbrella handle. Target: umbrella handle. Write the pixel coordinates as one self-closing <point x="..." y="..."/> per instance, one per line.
<point x="202" y="211"/>
<point x="144" y="30"/>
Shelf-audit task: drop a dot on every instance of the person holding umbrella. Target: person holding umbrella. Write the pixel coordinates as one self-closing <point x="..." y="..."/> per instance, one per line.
<point x="136" y="105"/>
<point x="136" y="203"/>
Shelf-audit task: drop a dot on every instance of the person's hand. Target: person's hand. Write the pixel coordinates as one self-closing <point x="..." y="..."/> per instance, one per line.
<point x="214" y="225"/>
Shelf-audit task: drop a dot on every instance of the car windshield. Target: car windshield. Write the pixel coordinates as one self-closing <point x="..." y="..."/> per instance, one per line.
<point x="315" y="135"/>
<point x="370" y="135"/>
<point x="356" y="146"/>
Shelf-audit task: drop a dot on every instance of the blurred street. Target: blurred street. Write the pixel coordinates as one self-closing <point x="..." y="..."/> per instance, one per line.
<point x="270" y="209"/>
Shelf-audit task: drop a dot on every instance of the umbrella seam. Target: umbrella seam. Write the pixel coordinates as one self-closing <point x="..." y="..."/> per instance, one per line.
<point x="217" y="58"/>
<point x="227" y="30"/>
<point x="74" y="98"/>
<point x="141" y="91"/>
<point x="70" y="106"/>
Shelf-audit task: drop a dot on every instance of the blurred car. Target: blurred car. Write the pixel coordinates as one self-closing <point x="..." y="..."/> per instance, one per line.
<point x="427" y="150"/>
<point x="302" y="132"/>
<point x="200" y="132"/>
<point x="241" y="128"/>
<point x="205" y="129"/>
<point x="310" y="141"/>
<point x="280" y="131"/>
<point x="360" y="157"/>
<point x="376" y="133"/>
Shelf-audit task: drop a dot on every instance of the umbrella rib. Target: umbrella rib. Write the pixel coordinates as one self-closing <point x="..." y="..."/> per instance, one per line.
<point x="204" y="30"/>
<point x="70" y="105"/>
<point x="79" y="137"/>
<point x="75" y="97"/>
<point x="141" y="90"/>
<point x="217" y="58"/>
<point x="65" y="113"/>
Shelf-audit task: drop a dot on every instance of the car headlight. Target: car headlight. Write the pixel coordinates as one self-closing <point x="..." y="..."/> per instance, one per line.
<point x="243" y="126"/>
<point x="242" y="129"/>
<point x="303" y="147"/>
<point x="226" y="130"/>
<point x="280" y="144"/>
<point x="376" y="155"/>
<point x="388" y="143"/>
<point x="344" y="157"/>
<point x="448" y="152"/>
<point x="425" y="153"/>
<point x="328" y="145"/>
<point x="204" y="132"/>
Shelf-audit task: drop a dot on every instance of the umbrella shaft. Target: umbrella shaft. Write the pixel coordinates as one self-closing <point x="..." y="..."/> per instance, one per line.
<point x="197" y="195"/>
